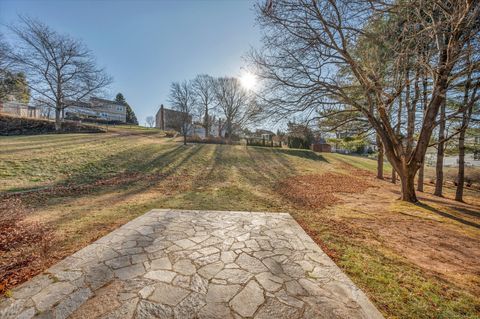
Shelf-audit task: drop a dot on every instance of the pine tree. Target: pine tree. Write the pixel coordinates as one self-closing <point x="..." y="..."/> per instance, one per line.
<point x="14" y="86"/>
<point x="120" y="98"/>
<point x="131" y="117"/>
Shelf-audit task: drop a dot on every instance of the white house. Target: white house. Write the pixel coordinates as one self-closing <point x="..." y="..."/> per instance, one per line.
<point x="97" y="108"/>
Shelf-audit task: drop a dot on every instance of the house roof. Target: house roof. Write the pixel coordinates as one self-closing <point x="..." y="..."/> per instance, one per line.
<point x="262" y="131"/>
<point x="169" y="110"/>
<point x="97" y="99"/>
<point x="91" y="102"/>
<point x="77" y="103"/>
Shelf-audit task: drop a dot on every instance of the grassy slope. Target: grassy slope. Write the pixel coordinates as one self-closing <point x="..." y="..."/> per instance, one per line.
<point x="148" y="171"/>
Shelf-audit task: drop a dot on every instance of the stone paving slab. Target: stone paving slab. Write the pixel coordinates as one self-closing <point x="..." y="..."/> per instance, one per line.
<point x="195" y="264"/>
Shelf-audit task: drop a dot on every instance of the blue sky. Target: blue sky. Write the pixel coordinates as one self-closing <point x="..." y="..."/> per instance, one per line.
<point x="145" y="45"/>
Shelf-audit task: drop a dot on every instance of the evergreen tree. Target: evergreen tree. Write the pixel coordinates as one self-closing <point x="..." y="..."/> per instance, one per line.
<point x="131" y="117"/>
<point x="14" y="86"/>
<point x="120" y="98"/>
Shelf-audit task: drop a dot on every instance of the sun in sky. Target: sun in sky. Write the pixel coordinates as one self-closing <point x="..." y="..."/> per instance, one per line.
<point x="248" y="80"/>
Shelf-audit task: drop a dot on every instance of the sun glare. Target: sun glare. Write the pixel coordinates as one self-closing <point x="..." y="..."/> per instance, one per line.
<point x="248" y="80"/>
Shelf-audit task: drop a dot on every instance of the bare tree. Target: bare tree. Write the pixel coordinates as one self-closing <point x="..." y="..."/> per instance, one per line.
<point x="4" y="52"/>
<point x="379" y="158"/>
<point x="440" y="152"/>
<point x="150" y="120"/>
<point x="235" y="102"/>
<point x="470" y="87"/>
<point x="309" y="44"/>
<point x="4" y="63"/>
<point x="421" y="171"/>
<point x="60" y="69"/>
<point x="205" y="95"/>
<point x="182" y="98"/>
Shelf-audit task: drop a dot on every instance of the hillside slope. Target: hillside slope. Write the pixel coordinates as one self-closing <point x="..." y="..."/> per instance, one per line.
<point x="61" y="192"/>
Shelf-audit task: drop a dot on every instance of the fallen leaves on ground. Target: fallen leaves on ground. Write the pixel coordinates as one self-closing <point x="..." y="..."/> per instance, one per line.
<point x="24" y="245"/>
<point x="319" y="190"/>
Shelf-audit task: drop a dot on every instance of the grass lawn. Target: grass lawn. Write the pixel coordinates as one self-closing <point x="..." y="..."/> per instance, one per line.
<point x="58" y="193"/>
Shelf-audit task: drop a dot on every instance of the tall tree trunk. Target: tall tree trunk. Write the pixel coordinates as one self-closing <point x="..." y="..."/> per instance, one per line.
<point x="229" y="130"/>
<point x="379" y="158"/>
<point x="421" y="177"/>
<point x="207" y="123"/>
<point x="394" y="176"/>
<point x="421" y="171"/>
<point x="58" y="119"/>
<point x="440" y="152"/>
<point x="408" y="107"/>
<point x="185" y="138"/>
<point x="58" y="103"/>
<point x="397" y="131"/>
<point x="406" y="174"/>
<point x="461" y="138"/>
<point x="461" y="164"/>
<point x="408" y="186"/>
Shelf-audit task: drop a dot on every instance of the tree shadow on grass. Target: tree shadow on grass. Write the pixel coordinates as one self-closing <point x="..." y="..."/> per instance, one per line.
<point x="457" y="206"/>
<point x="216" y="166"/>
<point x="67" y="142"/>
<point x="265" y="167"/>
<point x="248" y="168"/>
<point x="306" y="154"/>
<point x="177" y="159"/>
<point x="133" y="160"/>
<point x="447" y="215"/>
<point x="145" y="174"/>
<point x="234" y="178"/>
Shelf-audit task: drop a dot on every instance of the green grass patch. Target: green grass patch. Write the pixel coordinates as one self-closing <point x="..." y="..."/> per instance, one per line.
<point x="206" y="177"/>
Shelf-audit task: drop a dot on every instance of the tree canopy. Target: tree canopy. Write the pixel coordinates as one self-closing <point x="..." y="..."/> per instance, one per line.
<point x="369" y="57"/>
<point x="14" y="86"/>
<point x="60" y="69"/>
<point x="131" y="117"/>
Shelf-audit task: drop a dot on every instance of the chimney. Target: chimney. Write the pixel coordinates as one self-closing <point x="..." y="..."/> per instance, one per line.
<point x="162" y="118"/>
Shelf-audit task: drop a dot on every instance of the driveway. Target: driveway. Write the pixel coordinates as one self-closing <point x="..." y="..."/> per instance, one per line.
<point x="195" y="264"/>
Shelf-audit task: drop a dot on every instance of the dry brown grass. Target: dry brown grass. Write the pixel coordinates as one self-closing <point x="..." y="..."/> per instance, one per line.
<point x="439" y="235"/>
<point x="414" y="261"/>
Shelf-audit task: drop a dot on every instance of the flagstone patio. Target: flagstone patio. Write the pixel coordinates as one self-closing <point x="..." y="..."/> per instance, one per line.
<point x="195" y="264"/>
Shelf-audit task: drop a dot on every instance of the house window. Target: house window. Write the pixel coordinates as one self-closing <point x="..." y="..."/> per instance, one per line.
<point x="119" y="108"/>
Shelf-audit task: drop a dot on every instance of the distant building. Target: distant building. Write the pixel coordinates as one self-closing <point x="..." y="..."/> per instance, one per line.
<point x="167" y="119"/>
<point x="471" y="160"/>
<point x="264" y="134"/>
<point x="320" y="145"/>
<point x="260" y="137"/>
<point x="216" y="129"/>
<point x="19" y="109"/>
<point x="97" y="108"/>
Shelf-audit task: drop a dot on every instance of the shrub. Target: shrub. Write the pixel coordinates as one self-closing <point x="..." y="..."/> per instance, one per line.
<point x="171" y="133"/>
<point x="299" y="136"/>
<point x="298" y="142"/>
<point x="261" y="142"/>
